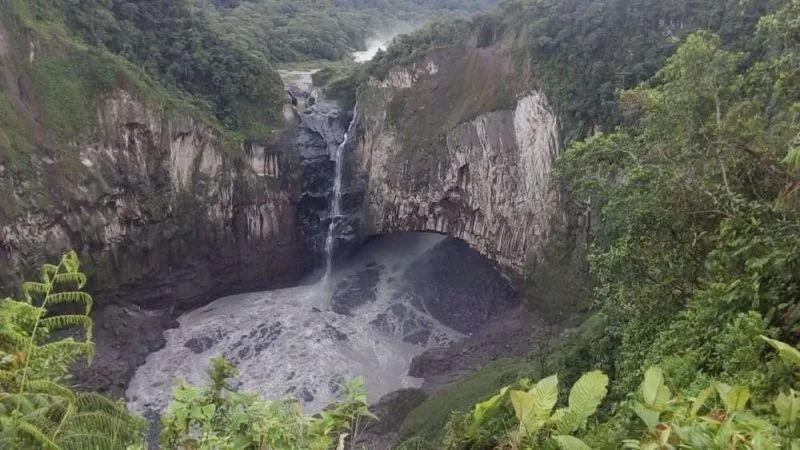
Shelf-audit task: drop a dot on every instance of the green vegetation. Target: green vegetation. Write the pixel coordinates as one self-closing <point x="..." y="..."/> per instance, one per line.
<point x="576" y="45"/>
<point x="427" y="421"/>
<point x="40" y="410"/>
<point x="694" y="248"/>
<point x="174" y="41"/>
<point x="62" y="88"/>
<point x="37" y="407"/>
<point x="717" y="417"/>
<point x="217" y="417"/>
<point x="14" y="139"/>
<point x="301" y="30"/>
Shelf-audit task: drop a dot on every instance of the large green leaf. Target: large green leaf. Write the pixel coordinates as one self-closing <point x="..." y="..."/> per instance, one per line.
<point x="534" y="406"/>
<point x="586" y="395"/>
<point x="650" y="417"/>
<point x="566" y="442"/>
<point x="701" y="399"/>
<point x="546" y="394"/>
<point x="735" y="398"/>
<point x="483" y="408"/>
<point x="524" y="404"/>
<point x="653" y="391"/>
<point x="788" y="407"/>
<point x="786" y="351"/>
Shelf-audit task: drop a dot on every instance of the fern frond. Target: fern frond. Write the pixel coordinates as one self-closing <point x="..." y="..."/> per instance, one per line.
<point x="85" y="441"/>
<point x="31" y="287"/>
<point x="96" y="422"/>
<point x="90" y="401"/>
<point x="20" y="402"/>
<point x="71" y="297"/>
<point x="43" y="423"/>
<point x="71" y="261"/>
<point x="6" y="375"/>
<point x="60" y="322"/>
<point x="66" y="346"/>
<point x="37" y="436"/>
<point x="50" y="388"/>
<point x="47" y="272"/>
<point x="29" y="402"/>
<point x="12" y="337"/>
<point x="70" y="278"/>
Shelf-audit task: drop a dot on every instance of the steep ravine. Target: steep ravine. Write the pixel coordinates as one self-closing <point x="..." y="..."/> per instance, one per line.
<point x="169" y="215"/>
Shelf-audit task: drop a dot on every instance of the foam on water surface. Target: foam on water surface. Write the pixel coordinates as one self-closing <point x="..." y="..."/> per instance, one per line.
<point x="308" y="340"/>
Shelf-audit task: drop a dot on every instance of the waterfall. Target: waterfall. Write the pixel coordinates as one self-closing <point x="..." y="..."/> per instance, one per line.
<point x="336" y="207"/>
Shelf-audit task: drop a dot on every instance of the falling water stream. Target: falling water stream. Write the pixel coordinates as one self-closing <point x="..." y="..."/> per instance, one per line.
<point x="336" y="203"/>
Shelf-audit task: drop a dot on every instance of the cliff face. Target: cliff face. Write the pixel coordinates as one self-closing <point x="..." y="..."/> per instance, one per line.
<point x="461" y="142"/>
<point x="165" y="213"/>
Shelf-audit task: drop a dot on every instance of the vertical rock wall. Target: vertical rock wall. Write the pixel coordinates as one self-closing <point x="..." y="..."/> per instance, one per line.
<point x="166" y="216"/>
<point x="468" y="157"/>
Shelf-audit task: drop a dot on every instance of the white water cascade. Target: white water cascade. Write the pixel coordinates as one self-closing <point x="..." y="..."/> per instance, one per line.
<point x="336" y="207"/>
<point x="308" y="340"/>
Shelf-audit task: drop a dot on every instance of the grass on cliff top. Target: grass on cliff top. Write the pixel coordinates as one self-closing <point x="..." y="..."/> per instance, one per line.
<point x="427" y="421"/>
<point x="68" y="75"/>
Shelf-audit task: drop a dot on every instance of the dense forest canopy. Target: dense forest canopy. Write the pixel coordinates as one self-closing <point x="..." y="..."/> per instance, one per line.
<point x="283" y="31"/>
<point x="585" y="51"/>
<point x="224" y="53"/>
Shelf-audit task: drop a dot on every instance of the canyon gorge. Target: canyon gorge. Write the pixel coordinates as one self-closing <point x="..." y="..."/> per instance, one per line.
<point x="363" y="224"/>
<point x="169" y="215"/>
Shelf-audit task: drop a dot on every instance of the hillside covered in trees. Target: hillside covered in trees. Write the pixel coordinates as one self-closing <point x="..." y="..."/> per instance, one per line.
<point x="223" y="55"/>
<point x="681" y="127"/>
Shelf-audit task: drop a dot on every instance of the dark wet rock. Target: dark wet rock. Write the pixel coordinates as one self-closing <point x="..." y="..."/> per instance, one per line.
<point x="435" y="361"/>
<point x="356" y="290"/>
<point x="270" y="331"/>
<point x="334" y="333"/>
<point x="306" y="395"/>
<point x="316" y="310"/>
<point x="320" y="130"/>
<point x="243" y="353"/>
<point x="302" y="393"/>
<point x="459" y="287"/>
<point x="130" y="334"/>
<point x="381" y="323"/>
<point x="419" y="337"/>
<point x="199" y="345"/>
<point x="402" y="320"/>
<point x="336" y="384"/>
<point x="154" y="429"/>
<point x="391" y="411"/>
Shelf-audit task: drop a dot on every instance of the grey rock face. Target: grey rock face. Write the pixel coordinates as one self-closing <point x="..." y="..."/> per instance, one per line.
<point x="165" y="219"/>
<point x="486" y="180"/>
<point x="320" y="130"/>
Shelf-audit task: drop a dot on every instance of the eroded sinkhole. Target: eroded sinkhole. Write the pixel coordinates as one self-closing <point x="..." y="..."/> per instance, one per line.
<point x="397" y="296"/>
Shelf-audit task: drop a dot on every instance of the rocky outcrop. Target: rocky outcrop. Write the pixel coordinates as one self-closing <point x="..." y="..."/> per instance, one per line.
<point x="319" y="131"/>
<point x="165" y="213"/>
<point x="461" y="142"/>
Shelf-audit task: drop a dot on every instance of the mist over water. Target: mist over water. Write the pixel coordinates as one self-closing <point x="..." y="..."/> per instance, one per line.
<point x="309" y="339"/>
<point x="381" y="40"/>
<point x="373" y="46"/>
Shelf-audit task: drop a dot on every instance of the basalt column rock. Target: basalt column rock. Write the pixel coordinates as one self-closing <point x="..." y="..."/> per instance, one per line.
<point x="320" y="130"/>
<point x="461" y="142"/>
<point x="166" y="215"/>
